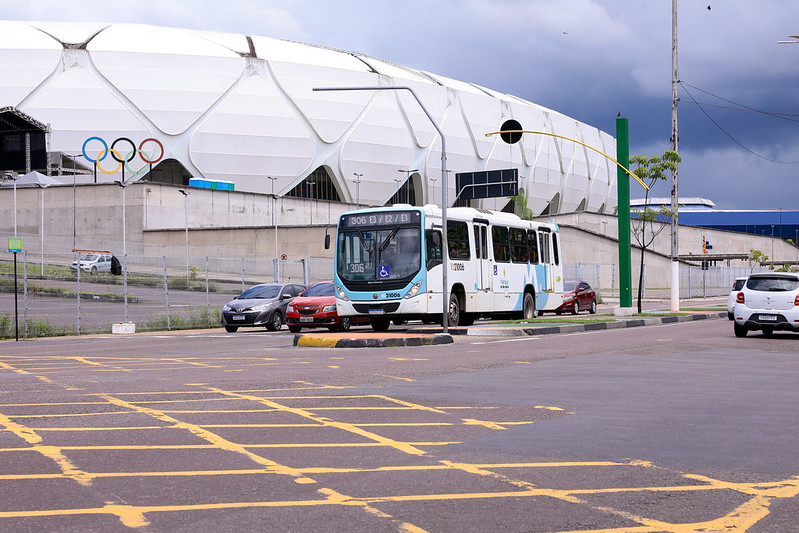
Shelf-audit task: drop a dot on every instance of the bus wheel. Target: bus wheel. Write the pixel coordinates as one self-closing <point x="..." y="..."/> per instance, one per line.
<point x="380" y="323"/>
<point x="454" y="314"/>
<point x="528" y="307"/>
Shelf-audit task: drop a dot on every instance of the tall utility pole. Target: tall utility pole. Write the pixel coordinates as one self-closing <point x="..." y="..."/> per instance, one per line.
<point x="675" y="243"/>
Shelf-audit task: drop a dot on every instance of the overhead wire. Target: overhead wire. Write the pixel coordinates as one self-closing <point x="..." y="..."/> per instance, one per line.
<point x="739" y="107"/>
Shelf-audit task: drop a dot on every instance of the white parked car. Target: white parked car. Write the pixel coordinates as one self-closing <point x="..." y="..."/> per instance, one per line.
<point x="767" y="302"/>
<point x="93" y="263"/>
<point x="739" y="283"/>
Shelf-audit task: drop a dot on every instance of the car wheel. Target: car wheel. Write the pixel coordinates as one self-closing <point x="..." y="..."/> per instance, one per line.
<point x="380" y="323"/>
<point x="528" y="306"/>
<point x="576" y="308"/>
<point x="345" y="324"/>
<point x="592" y="309"/>
<point x="231" y="329"/>
<point x="276" y="322"/>
<point x="94" y="271"/>
<point x="731" y="316"/>
<point x="558" y="312"/>
<point x="767" y="332"/>
<point x="740" y="331"/>
<point x="295" y="329"/>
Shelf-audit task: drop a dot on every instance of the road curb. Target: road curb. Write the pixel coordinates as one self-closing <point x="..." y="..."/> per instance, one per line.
<point x="324" y="341"/>
<point x="428" y="336"/>
<point x="521" y="331"/>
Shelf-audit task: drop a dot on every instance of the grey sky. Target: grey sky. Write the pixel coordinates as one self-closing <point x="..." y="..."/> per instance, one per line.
<point x="588" y="59"/>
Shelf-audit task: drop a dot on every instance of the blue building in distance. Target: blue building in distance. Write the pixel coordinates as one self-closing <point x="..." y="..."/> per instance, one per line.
<point x="700" y="212"/>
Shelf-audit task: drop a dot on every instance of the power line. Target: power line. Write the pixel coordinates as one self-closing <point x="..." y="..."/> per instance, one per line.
<point x="725" y="132"/>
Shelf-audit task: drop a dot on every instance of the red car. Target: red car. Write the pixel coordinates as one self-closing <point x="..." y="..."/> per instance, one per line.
<point x="577" y="296"/>
<point x="316" y="307"/>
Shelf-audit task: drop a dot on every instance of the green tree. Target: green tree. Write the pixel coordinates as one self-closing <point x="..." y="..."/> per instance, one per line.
<point x="524" y="212"/>
<point x="647" y="223"/>
<point x="756" y="257"/>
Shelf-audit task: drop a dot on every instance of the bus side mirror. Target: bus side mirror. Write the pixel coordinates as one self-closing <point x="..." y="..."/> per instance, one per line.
<point x="327" y="241"/>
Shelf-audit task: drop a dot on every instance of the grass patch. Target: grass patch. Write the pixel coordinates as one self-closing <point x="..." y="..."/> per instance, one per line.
<point x="41" y="328"/>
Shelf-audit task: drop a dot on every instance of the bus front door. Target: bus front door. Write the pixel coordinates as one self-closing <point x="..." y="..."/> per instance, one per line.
<point x="484" y="278"/>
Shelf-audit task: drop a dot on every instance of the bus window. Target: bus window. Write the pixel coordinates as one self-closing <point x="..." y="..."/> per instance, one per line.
<point x="433" y="247"/>
<point x="356" y="256"/>
<point x="543" y="248"/>
<point x="478" y="250"/>
<point x="555" y="250"/>
<point x="519" y="252"/>
<point x="499" y="234"/>
<point x="458" y="240"/>
<point x="532" y="241"/>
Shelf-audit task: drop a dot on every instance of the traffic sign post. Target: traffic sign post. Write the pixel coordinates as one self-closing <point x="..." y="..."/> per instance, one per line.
<point x="15" y="246"/>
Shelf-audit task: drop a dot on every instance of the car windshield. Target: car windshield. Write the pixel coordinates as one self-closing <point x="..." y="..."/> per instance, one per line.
<point x="260" y="292"/>
<point x="774" y="284"/>
<point x="319" y="289"/>
<point x="569" y="285"/>
<point x="89" y="257"/>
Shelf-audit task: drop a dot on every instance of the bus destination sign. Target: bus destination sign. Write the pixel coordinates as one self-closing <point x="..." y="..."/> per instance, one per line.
<point x="383" y="218"/>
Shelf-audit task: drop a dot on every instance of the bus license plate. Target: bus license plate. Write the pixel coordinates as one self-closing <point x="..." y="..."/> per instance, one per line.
<point x="238" y="317"/>
<point x="377" y="312"/>
<point x="768" y="318"/>
<point x="306" y="319"/>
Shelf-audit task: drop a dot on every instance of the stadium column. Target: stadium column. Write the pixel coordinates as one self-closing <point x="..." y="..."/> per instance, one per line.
<point x="623" y="198"/>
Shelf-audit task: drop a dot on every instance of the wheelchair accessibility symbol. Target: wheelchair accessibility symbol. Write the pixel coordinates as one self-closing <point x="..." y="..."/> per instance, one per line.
<point x="384" y="272"/>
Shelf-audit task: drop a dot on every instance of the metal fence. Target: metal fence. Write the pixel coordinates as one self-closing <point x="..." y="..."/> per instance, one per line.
<point x="695" y="282"/>
<point x="171" y="292"/>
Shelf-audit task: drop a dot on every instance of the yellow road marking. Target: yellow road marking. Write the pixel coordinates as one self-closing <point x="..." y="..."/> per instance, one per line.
<point x="212" y="438"/>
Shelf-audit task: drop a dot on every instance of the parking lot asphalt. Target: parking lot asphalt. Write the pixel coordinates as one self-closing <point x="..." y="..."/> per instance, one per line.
<point x="653" y="314"/>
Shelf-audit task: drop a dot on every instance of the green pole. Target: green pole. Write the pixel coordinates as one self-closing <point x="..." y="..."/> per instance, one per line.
<point x="623" y="192"/>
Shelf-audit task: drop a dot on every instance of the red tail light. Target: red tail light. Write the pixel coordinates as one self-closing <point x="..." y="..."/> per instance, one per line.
<point x="796" y="300"/>
<point x="740" y="298"/>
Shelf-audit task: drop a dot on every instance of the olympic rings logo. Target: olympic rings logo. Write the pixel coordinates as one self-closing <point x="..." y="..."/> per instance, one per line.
<point x="129" y="156"/>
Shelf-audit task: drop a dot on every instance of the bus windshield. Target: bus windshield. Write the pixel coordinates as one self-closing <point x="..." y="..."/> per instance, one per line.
<point x="379" y="254"/>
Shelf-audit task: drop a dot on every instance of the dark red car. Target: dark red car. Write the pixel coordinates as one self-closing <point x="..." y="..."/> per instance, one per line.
<point x="577" y="296"/>
<point x="316" y="307"/>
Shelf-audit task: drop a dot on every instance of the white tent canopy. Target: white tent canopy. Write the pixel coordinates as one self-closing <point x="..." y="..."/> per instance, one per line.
<point x="35" y="179"/>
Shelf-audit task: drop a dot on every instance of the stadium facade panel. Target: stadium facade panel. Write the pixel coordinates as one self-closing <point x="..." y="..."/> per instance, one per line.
<point x="242" y="108"/>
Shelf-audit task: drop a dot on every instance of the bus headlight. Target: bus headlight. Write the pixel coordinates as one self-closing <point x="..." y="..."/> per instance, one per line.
<point x="413" y="291"/>
<point x="341" y="294"/>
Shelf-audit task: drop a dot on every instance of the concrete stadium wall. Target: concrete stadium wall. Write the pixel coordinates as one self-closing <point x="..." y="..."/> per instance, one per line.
<point x="235" y="231"/>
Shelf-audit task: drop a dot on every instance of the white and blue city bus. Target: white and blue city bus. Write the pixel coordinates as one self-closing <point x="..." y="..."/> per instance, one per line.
<point x="388" y="265"/>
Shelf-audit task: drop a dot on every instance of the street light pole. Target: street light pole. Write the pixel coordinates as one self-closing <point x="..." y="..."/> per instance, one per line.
<point x="357" y="181"/>
<point x="274" y="223"/>
<point x="397" y="193"/>
<point x="408" y="174"/>
<point x="444" y="245"/>
<point x="310" y="198"/>
<point x="124" y="186"/>
<point x="186" y="194"/>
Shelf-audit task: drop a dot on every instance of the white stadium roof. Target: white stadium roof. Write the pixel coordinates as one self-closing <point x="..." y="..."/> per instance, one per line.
<point x="239" y="108"/>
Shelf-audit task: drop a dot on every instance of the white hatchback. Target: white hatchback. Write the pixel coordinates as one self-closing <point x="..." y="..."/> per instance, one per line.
<point x="768" y="302"/>
<point x="737" y="286"/>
